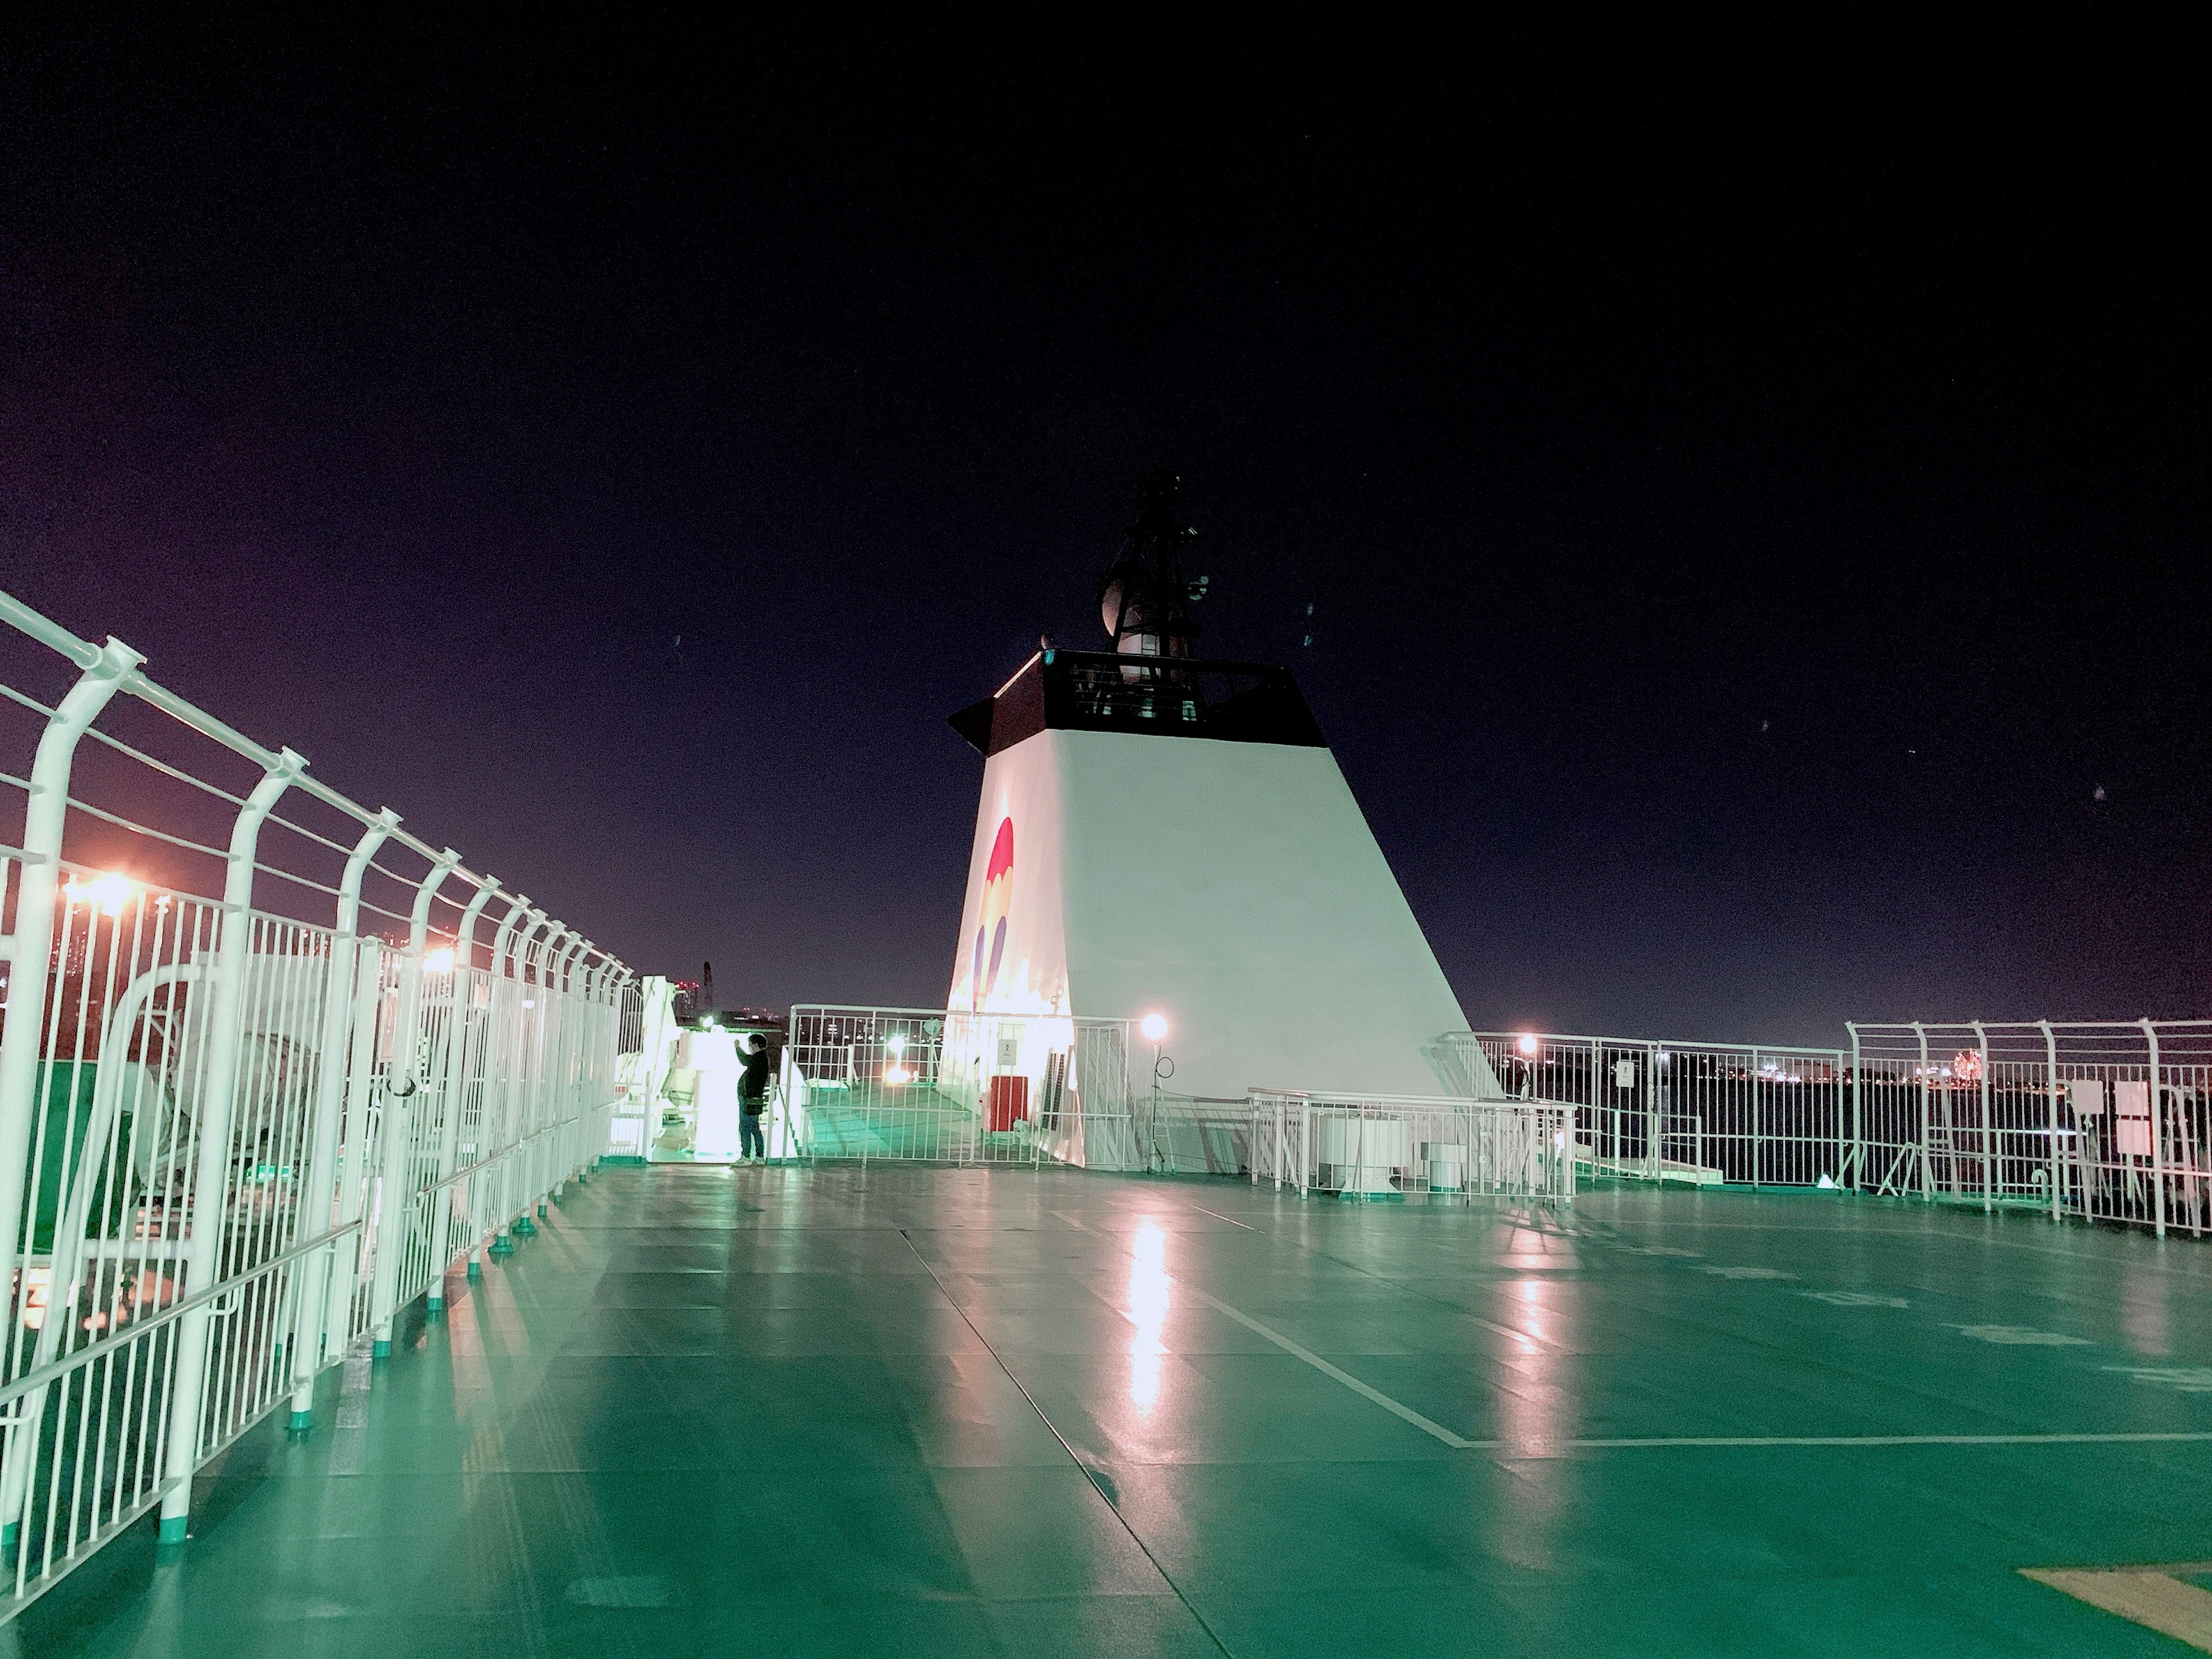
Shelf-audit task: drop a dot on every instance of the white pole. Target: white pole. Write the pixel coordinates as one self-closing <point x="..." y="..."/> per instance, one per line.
<point x="1927" y="1175"/>
<point x="212" y="1177"/>
<point x="455" y="1091"/>
<point x="1989" y="1128"/>
<point x="29" y="952"/>
<point x="523" y="1081"/>
<point x="1858" y="1112"/>
<point x="506" y="1003"/>
<point x="2157" y="1130"/>
<point x="545" y="1158"/>
<point x="403" y="1097"/>
<point x="30" y="947"/>
<point x="2051" y="1081"/>
<point x="319" y="1191"/>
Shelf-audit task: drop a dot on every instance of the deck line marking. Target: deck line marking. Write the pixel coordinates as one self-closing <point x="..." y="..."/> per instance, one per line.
<point x="1342" y="1376"/>
<point x="1693" y="1441"/>
<point x="2151" y="1596"/>
<point x="1230" y="1219"/>
<point x="1091" y="1478"/>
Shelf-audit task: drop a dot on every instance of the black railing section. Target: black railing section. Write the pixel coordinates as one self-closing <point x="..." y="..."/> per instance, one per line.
<point x="1159" y="697"/>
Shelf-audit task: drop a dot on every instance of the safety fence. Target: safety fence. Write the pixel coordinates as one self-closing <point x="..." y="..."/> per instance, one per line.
<point x="2107" y="1122"/>
<point x="236" y="1135"/>
<point x="932" y="1085"/>
<point x="1380" y="1147"/>
<point x="1698" y="1113"/>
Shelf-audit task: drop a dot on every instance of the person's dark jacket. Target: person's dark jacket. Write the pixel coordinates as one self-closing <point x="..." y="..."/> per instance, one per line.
<point x="754" y="1089"/>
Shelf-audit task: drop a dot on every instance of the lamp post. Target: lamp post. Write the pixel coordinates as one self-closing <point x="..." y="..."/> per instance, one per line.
<point x="1155" y="1028"/>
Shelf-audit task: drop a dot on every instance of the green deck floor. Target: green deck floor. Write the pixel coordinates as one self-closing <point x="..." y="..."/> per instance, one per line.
<point x="920" y="1412"/>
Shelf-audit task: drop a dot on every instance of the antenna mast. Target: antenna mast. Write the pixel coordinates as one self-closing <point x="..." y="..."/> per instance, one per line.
<point x="1143" y="598"/>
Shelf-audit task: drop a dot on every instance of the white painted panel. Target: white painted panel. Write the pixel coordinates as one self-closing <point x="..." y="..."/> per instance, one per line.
<point x="2131" y="1115"/>
<point x="1237" y="888"/>
<point x="1021" y="794"/>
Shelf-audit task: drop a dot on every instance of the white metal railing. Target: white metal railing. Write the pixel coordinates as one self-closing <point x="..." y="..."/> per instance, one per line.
<point x="1380" y="1147"/>
<point x="2100" y="1121"/>
<point x="235" y="1135"/>
<point x="2107" y="1122"/>
<point x="937" y="1085"/>
<point x="1700" y="1113"/>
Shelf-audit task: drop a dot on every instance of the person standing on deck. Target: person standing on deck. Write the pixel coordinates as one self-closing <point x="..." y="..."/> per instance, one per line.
<point x="753" y="1099"/>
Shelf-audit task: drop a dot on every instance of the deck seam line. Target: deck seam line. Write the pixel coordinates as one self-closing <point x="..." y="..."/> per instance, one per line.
<point x="1396" y="1407"/>
<point x="1090" y="1478"/>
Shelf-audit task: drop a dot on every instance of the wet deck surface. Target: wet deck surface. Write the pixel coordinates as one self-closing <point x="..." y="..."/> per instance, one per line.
<point x="920" y="1412"/>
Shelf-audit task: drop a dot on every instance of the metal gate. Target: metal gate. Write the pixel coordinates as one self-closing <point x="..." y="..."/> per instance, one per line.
<point x="931" y="1085"/>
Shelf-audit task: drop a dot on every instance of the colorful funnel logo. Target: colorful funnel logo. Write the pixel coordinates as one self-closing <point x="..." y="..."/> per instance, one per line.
<point x="998" y="899"/>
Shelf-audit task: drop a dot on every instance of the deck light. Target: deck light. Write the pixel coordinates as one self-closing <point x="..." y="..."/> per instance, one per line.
<point x="107" y="890"/>
<point x="1527" y="1044"/>
<point x="1154" y="1026"/>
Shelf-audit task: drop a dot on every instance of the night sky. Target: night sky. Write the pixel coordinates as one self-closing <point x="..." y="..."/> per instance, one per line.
<point x="1749" y="487"/>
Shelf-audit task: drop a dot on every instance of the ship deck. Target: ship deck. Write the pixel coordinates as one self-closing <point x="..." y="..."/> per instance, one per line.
<point x="922" y="1412"/>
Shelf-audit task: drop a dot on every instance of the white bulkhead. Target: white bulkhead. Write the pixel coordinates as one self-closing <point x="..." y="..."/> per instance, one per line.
<point x="1233" y="887"/>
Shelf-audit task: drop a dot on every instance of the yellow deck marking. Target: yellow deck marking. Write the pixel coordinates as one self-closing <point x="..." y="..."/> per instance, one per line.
<point x="2154" y="1596"/>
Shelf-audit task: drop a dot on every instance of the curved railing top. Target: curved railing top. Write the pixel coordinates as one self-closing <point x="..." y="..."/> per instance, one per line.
<point x="121" y="664"/>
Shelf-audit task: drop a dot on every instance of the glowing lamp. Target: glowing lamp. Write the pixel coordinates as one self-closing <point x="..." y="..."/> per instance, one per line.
<point x="1526" y="1045"/>
<point x="1154" y="1026"/>
<point x="897" y="1076"/>
<point x="108" y="891"/>
<point x="896" y="1042"/>
<point x="440" y="961"/>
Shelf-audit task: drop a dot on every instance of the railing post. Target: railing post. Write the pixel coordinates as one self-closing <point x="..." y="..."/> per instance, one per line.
<point x="544" y="1089"/>
<point x="1858" y="1112"/>
<point x="211" y="1176"/>
<point x="539" y="1034"/>
<point x="1649" y="1084"/>
<point x="2157" y="1129"/>
<point x="590" y="1071"/>
<point x="521" y="1080"/>
<point x="354" y="1158"/>
<point x="29" y="949"/>
<point x="456" y="1089"/>
<point x="569" y="979"/>
<point x="2050" y="1082"/>
<point x="404" y="1094"/>
<point x="507" y="1049"/>
<point x="1988" y="1122"/>
<point x="606" y="1041"/>
<point x="1758" y="1122"/>
<point x="319" y="1191"/>
<point x="1927" y="1175"/>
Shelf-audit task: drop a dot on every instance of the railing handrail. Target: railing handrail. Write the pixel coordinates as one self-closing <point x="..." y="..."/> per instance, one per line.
<point x="1666" y="1044"/>
<point x="34" y="625"/>
<point x="92" y="1351"/>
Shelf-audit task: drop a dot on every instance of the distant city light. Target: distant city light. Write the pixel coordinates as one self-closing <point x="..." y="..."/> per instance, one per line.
<point x="1154" y="1026"/>
<point x="108" y="891"/>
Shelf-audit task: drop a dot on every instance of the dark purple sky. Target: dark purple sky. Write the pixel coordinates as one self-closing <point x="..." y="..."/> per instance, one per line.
<point x="1751" y="486"/>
